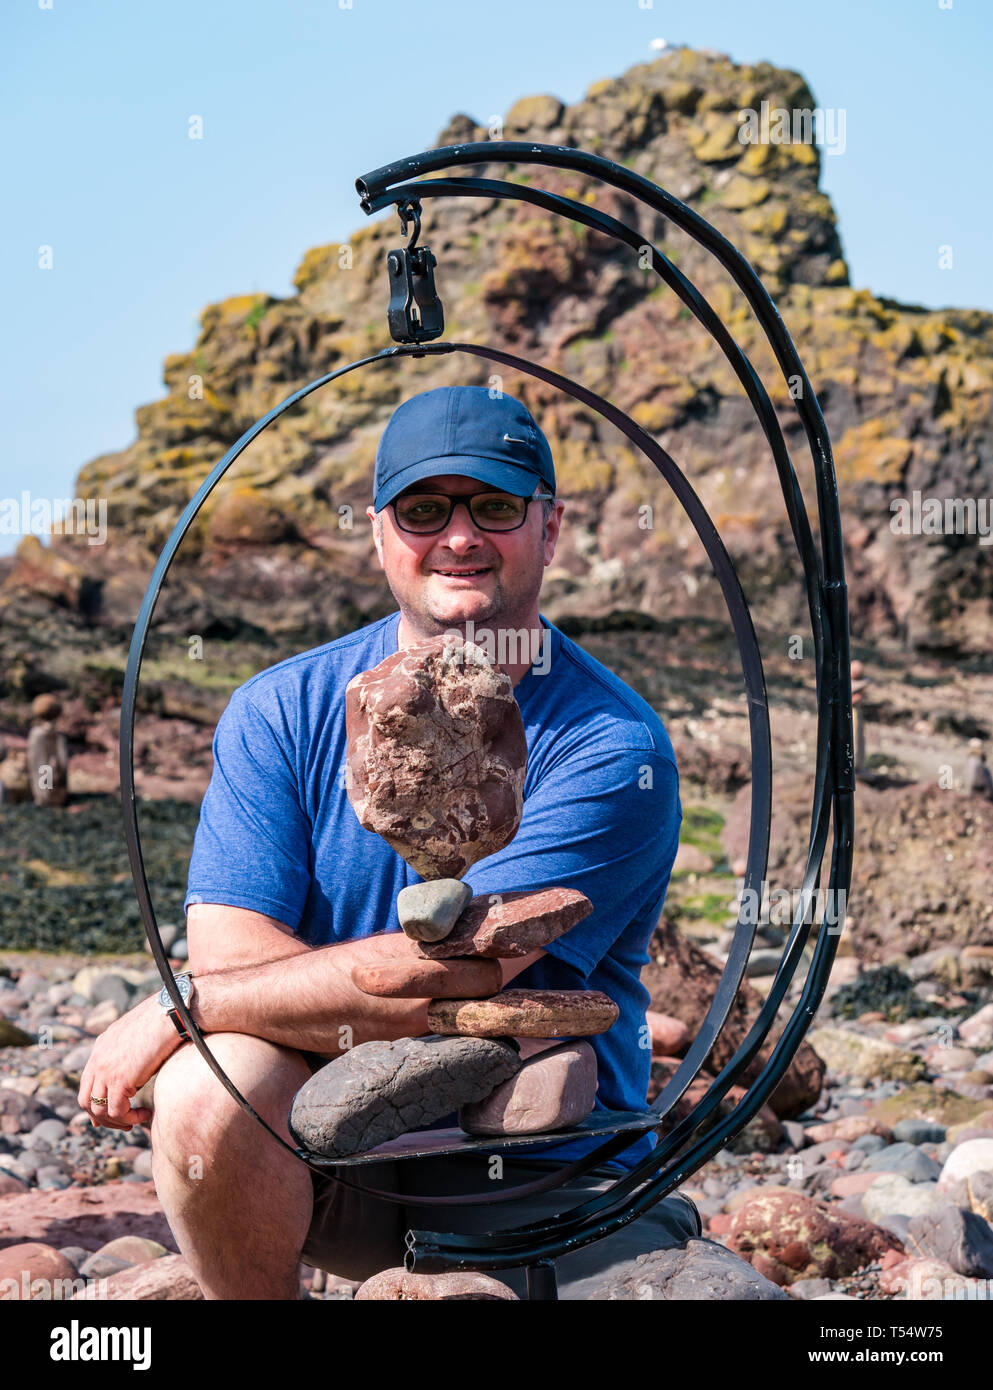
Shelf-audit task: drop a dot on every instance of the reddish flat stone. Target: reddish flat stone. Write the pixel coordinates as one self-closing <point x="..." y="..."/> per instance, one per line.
<point x="670" y="1036"/>
<point x="850" y="1128"/>
<point x="436" y="755"/>
<point x="86" y="1216"/>
<point x="553" y="1090"/>
<point x="430" y="979"/>
<point x="510" y="924"/>
<point x="854" y="1184"/>
<point x="21" y="1265"/>
<point x="526" y="1013"/>
<point x="168" y="1278"/>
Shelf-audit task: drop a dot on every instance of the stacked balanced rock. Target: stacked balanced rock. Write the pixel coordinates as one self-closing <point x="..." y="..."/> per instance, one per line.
<point x="436" y="762"/>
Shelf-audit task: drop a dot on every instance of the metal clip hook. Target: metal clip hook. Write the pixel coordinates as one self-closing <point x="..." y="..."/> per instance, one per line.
<point x="415" y="312"/>
<point x="411" y="208"/>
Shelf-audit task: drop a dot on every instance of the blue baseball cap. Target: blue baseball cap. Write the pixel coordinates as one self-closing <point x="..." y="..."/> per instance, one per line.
<point x="464" y="430"/>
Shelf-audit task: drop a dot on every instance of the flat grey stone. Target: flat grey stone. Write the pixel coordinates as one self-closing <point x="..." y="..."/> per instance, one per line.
<point x="380" y="1090"/>
<point x="114" y="987"/>
<point x="896" y="1222"/>
<point x="914" y="1131"/>
<point x="428" y="911"/>
<point x="810" y="1288"/>
<point x="869" y="1143"/>
<point x="893" y="1193"/>
<point x="794" y="1133"/>
<point x="906" y="1159"/>
<point x="699" y="1270"/>
<point x="961" y="1238"/>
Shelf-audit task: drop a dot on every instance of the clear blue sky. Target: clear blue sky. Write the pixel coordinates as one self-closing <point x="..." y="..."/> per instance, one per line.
<point x="299" y="96"/>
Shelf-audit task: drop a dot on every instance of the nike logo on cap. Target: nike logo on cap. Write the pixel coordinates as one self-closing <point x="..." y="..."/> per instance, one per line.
<point x="513" y="440"/>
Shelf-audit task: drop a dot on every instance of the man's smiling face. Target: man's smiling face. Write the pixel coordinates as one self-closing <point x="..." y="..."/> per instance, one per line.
<point x="441" y="581"/>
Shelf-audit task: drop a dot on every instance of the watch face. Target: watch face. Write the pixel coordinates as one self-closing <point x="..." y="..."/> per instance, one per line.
<point x="185" y="986"/>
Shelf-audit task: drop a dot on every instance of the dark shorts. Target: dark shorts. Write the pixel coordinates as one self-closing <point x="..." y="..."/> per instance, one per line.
<point x="355" y="1235"/>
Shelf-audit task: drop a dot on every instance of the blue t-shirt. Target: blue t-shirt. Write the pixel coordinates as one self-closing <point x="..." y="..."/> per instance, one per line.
<point x="277" y="832"/>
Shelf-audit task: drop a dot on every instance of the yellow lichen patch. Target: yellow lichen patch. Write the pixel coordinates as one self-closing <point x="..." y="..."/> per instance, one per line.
<point x="658" y="413"/>
<point x="596" y="89"/>
<point x="768" y="221"/>
<point x="540" y="111"/>
<point x="870" y="452"/>
<point x="579" y="467"/>
<point x="757" y="159"/>
<point x="682" y="96"/>
<point x="318" y="263"/>
<point x="745" y="193"/>
<point x="715" y="139"/>
<point x="800" y="152"/>
<point x="239" y="306"/>
<point x="836" y="273"/>
<point x="245" y="514"/>
<point x="969" y="377"/>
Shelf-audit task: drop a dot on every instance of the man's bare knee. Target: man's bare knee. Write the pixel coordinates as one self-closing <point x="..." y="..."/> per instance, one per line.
<point x="190" y="1103"/>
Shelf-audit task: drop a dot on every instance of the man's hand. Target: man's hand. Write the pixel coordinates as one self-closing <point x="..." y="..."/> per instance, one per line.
<point x="124" y="1057"/>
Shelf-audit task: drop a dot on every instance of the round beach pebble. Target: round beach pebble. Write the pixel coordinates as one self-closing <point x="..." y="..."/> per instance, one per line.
<point x="526" y="1013"/>
<point x="451" y="1285"/>
<point x="428" y="911"/>
<point x="30" y="1261"/>
<point x="430" y="979"/>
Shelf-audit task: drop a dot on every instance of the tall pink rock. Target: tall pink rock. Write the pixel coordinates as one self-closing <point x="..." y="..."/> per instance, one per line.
<point x="436" y="755"/>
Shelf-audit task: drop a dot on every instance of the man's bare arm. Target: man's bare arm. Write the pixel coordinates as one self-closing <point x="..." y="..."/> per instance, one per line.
<point x="306" y="999"/>
<point x="221" y="937"/>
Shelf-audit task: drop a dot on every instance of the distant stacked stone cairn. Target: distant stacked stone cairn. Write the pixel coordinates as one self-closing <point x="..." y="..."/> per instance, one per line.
<point x="47" y="754"/>
<point x="436" y="762"/>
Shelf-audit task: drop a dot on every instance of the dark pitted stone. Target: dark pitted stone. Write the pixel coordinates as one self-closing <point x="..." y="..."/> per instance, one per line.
<point x="436" y="755"/>
<point x="526" y="1013"/>
<point x="428" y="911"/>
<point x="511" y="924"/>
<point x="476" y="978"/>
<point x="380" y="1090"/>
<point x="552" y="1090"/>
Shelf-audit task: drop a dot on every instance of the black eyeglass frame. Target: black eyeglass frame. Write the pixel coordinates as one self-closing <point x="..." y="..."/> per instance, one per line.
<point x="453" y="501"/>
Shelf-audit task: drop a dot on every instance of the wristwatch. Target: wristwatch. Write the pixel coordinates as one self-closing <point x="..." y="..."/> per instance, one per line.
<point x="185" y="985"/>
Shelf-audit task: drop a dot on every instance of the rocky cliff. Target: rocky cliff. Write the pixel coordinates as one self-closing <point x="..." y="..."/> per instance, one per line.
<point x="282" y="557"/>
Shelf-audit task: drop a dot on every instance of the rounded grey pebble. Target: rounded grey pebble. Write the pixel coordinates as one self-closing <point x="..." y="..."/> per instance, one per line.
<point x="75" y="1254"/>
<point x="869" y="1143"/>
<point x="428" y="911"/>
<point x="51" y="1131"/>
<point x="913" y="1131"/>
<point x="53" y="1179"/>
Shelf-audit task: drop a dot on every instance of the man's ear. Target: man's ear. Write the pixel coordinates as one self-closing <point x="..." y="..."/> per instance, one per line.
<point x="377" y="533"/>
<point x="552" y="530"/>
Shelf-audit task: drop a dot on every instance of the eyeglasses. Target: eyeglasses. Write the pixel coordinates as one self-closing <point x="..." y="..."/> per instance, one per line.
<point x="425" y="513"/>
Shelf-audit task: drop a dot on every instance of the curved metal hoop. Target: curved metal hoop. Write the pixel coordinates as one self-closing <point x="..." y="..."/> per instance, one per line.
<point x="727" y="577"/>
<point x="834" y="782"/>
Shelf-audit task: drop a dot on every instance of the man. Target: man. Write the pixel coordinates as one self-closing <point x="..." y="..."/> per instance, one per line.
<point x="287" y="892"/>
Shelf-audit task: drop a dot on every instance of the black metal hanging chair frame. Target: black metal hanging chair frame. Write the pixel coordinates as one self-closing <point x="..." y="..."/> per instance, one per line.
<point x="677" y="1154"/>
